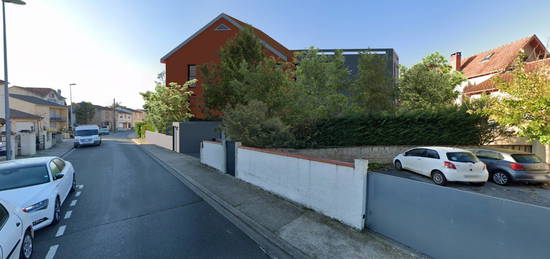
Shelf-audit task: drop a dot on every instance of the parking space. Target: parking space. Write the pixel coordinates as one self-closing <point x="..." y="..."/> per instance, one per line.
<point x="528" y="193"/>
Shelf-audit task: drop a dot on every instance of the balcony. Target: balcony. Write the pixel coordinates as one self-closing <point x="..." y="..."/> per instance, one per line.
<point x="61" y="119"/>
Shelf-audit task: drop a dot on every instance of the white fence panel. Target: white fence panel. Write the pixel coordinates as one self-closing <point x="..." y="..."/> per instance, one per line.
<point x="335" y="189"/>
<point x="158" y="139"/>
<point x="213" y="154"/>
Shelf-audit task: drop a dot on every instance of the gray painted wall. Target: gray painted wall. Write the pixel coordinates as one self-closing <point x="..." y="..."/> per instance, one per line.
<point x="193" y="132"/>
<point x="449" y="223"/>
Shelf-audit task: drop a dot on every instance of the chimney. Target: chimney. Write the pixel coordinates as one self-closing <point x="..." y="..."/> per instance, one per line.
<point x="456" y="61"/>
<point x="59" y="92"/>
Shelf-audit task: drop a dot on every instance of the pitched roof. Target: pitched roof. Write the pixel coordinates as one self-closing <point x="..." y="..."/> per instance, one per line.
<point x="35" y="100"/>
<point x="501" y="58"/>
<point x="17" y="114"/>
<point x="41" y="91"/>
<point x="268" y="42"/>
<point x="489" y="85"/>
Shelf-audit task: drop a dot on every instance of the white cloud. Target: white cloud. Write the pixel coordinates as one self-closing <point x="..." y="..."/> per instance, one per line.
<point x="49" y="46"/>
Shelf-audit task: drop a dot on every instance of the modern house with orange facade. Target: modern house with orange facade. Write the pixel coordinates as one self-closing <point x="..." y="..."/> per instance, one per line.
<point x="182" y="63"/>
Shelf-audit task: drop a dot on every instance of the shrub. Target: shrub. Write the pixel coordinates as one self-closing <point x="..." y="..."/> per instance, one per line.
<point x="143" y="126"/>
<point x="252" y="125"/>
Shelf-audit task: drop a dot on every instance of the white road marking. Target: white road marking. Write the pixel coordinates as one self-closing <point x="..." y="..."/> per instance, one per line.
<point x="73" y="203"/>
<point x="68" y="214"/>
<point x="60" y="231"/>
<point x="78" y="193"/>
<point x="51" y="252"/>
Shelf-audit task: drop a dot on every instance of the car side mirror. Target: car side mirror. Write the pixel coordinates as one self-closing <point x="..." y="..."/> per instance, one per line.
<point x="58" y="176"/>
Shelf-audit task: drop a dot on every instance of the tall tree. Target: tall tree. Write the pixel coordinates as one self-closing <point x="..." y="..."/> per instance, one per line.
<point x="429" y="84"/>
<point x="168" y="104"/>
<point x="223" y="83"/>
<point x="319" y="91"/>
<point x="373" y="89"/>
<point x="84" y="112"/>
<point x="524" y="104"/>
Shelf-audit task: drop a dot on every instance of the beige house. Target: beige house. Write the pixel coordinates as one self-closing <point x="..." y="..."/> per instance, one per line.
<point x="137" y="116"/>
<point x="480" y="68"/>
<point x="46" y="94"/>
<point x="54" y="115"/>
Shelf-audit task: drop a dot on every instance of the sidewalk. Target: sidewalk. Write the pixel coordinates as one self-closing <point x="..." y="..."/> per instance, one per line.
<point x="298" y="231"/>
<point x="59" y="150"/>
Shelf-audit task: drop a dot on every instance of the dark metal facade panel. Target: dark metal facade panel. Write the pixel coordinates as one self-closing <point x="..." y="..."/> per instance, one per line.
<point x="449" y="223"/>
<point x="193" y="132"/>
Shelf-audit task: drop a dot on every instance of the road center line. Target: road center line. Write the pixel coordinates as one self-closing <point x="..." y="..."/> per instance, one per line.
<point x="73" y="203"/>
<point x="68" y="214"/>
<point x="78" y="193"/>
<point x="60" y="231"/>
<point x="51" y="252"/>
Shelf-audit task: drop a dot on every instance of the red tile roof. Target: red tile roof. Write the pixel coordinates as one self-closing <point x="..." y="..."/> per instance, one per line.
<point x="489" y="85"/>
<point x="502" y="58"/>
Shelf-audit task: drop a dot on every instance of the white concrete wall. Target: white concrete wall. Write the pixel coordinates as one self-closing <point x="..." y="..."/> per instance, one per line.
<point x="158" y="139"/>
<point x="213" y="154"/>
<point x="28" y="143"/>
<point x="335" y="189"/>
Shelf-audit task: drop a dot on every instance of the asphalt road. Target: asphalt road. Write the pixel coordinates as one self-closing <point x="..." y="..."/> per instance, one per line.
<point x="128" y="206"/>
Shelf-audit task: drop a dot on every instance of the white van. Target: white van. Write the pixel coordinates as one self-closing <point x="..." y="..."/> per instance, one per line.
<point x="86" y="135"/>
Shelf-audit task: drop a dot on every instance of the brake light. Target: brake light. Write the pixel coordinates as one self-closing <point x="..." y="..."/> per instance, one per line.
<point x="449" y="165"/>
<point x="516" y="166"/>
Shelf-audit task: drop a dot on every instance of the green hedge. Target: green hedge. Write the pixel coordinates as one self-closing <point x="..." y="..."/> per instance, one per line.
<point x="443" y="127"/>
<point x="143" y="126"/>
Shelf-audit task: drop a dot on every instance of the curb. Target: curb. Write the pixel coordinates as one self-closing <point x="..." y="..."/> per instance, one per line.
<point x="273" y="245"/>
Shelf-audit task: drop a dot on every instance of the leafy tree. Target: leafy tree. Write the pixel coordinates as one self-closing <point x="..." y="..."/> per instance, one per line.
<point x="320" y="87"/>
<point x="373" y="89"/>
<point x="429" y="84"/>
<point x="84" y="112"/>
<point x="223" y="83"/>
<point x="490" y="129"/>
<point x="168" y="104"/>
<point x="525" y="102"/>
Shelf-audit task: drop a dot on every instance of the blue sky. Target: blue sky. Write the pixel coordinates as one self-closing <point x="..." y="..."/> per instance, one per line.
<point x="112" y="48"/>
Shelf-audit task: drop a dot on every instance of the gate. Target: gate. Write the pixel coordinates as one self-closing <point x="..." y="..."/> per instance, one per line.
<point x="230" y="157"/>
<point x="191" y="134"/>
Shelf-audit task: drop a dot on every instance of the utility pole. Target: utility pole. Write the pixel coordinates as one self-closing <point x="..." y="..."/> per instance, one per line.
<point x="114" y="115"/>
<point x="6" y="81"/>
<point x="71" y="119"/>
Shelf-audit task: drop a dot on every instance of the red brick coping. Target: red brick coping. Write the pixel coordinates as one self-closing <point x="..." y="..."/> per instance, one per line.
<point x="300" y="156"/>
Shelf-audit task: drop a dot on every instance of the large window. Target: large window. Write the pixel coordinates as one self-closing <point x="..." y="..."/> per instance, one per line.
<point x="191" y="73"/>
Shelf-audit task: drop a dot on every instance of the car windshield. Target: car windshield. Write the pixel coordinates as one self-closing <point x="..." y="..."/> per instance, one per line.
<point x="526" y="158"/>
<point x="465" y="157"/>
<point x="90" y="132"/>
<point x="13" y="178"/>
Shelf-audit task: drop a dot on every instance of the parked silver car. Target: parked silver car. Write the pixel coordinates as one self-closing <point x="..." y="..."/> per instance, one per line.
<point x="506" y="166"/>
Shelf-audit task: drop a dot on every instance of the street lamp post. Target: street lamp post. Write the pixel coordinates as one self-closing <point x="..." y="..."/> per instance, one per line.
<point x="71" y="100"/>
<point x="6" y="82"/>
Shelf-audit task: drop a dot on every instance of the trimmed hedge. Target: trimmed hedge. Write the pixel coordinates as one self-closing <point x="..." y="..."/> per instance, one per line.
<point x="443" y="127"/>
<point x="143" y="126"/>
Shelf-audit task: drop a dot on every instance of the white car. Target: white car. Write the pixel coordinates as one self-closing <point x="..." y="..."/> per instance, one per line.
<point x="16" y="233"/>
<point x="38" y="186"/>
<point x="443" y="164"/>
<point x="87" y="135"/>
<point x="104" y="130"/>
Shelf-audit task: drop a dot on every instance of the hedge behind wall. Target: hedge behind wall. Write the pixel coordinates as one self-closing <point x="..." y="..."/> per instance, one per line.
<point x="443" y="127"/>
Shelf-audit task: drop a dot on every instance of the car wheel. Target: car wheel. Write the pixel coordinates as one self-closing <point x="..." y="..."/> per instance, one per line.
<point x="439" y="178"/>
<point x="398" y="165"/>
<point x="73" y="186"/>
<point x="27" y="245"/>
<point x="501" y="178"/>
<point x="56" y="212"/>
<point x="75" y="145"/>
